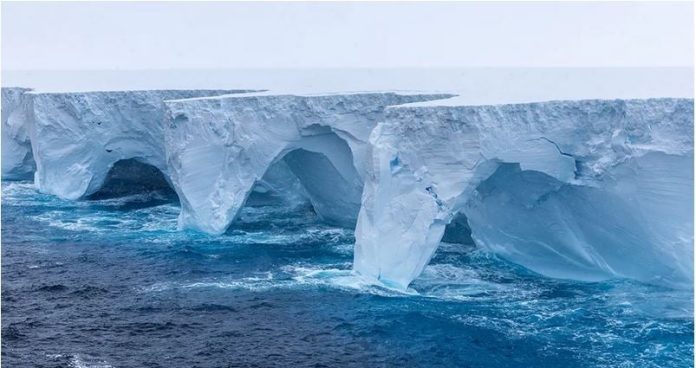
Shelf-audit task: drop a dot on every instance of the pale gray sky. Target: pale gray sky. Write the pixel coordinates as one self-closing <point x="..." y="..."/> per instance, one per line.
<point x="74" y="36"/>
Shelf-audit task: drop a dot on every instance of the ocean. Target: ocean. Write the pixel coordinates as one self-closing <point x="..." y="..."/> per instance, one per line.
<point x="111" y="282"/>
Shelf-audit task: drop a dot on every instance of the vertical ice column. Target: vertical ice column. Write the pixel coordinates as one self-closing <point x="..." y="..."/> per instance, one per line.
<point x="17" y="159"/>
<point x="420" y="172"/>
<point x="399" y="227"/>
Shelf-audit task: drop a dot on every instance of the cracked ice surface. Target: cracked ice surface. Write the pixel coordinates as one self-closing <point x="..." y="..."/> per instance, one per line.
<point x="573" y="189"/>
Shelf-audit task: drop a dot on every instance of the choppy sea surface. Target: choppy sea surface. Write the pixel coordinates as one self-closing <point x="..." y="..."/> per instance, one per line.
<point x="112" y="283"/>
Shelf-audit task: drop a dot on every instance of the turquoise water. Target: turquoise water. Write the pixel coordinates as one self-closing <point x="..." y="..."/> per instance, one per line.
<point x="112" y="283"/>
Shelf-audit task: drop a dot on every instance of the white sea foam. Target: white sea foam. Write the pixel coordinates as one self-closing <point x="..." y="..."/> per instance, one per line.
<point x="440" y="282"/>
<point x="77" y="361"/>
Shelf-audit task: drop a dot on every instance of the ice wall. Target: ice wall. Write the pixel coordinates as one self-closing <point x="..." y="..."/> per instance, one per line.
<point x="77" y="137"/>
<point x="579" y="189"/>
<point x="219" y="147"/>
<point x="17" y="160"/>
<point x="586" y="190"/>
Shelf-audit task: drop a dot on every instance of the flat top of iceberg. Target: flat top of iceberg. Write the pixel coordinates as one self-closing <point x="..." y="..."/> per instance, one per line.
<point x="213" y="92"/>
<point x="475" y="86"/>
<point x="307" y="94"/>
<point x="462" y="101"/>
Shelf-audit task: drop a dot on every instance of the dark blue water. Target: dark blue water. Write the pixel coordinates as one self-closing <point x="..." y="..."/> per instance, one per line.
<point x="111" y="283"/>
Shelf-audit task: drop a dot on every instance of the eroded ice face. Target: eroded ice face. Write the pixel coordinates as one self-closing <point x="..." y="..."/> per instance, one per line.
<point x="585" y="190"/>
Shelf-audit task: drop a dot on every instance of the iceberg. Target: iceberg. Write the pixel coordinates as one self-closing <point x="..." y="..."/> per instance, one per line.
<point x="582" y="189"/>
<point x="586" y="190"/>
<point x="218" y="148"/>
<point x="77" y="137"/>
<point x="17" y="159"/>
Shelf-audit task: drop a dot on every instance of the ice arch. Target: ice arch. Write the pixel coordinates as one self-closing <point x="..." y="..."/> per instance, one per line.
<point x="322" y="163"/>
<point x="580" y="189"/>
<point x="218" y="147"/>
<point x="77" y="137"/>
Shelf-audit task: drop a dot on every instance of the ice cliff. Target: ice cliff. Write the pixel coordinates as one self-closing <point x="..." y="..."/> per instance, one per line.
<point x="586" y="190"/>
<point x="218" y="148"/>
<point x="17" y="160"/>
<point x="76" y="138"/>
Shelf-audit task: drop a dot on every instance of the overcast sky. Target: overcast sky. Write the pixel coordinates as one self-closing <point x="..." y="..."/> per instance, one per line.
<point x="74" y="36"/>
